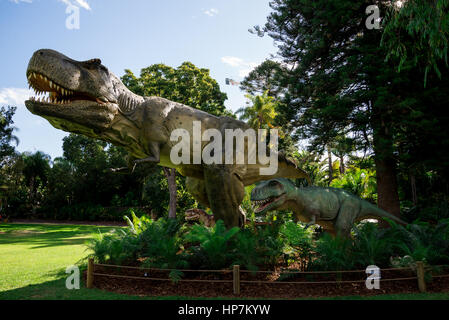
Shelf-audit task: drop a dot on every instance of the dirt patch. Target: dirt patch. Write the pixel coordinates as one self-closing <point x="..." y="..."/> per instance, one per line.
<point x="275" y="289"/>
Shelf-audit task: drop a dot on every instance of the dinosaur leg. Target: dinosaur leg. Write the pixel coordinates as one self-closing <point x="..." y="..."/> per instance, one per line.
<point x="346" y="216"/>
<point x="197" y="188"/>
<point x="154" y="150"/>
<point x="225" y="192"/>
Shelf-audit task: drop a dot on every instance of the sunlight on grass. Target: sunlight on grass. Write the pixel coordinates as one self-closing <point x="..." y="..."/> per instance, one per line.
<point x="33" y="254"/>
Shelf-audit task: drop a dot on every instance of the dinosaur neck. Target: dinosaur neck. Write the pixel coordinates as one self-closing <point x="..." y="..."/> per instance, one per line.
<point x="296" y="200"/>
<point x="127" y="100"/>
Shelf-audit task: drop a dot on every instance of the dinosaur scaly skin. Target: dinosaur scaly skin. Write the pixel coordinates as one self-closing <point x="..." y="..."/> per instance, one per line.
<point x="200" y="216"/>
<point x="335" y="210"/>
<point x="85" y="98"/>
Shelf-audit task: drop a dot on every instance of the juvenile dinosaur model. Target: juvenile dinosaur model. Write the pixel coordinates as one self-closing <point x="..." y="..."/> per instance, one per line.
<point x="335" y="210"/>
<point x="84" y="97"/>
<point x="209" y="220"/>
<point x="200" y="215"/>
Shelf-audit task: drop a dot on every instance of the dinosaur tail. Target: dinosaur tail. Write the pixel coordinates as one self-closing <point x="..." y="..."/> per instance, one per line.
<point x="371" y="211"/>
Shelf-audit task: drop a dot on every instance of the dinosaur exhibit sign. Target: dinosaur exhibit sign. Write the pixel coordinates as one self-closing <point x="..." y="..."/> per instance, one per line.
<point x="84" y="97"/>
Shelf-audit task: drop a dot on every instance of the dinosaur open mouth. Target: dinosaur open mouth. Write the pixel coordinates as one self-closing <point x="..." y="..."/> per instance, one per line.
<point x="49" y="92"/>
<point x="263" y="204"/>
<point x="192" y="217"/>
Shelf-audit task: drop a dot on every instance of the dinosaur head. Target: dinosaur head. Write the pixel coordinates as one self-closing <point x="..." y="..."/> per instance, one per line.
<point x="271" y="194"/>
<point x="192" y="215"/>
<point x="76" y="96"/>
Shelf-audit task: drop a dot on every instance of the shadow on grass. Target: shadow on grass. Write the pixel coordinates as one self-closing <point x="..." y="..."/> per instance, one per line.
<point x="43" y="236"/>
<point x="56" y="290"/>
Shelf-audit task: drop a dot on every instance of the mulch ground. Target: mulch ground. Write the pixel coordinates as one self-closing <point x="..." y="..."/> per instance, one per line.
<point x="276" y="289"/>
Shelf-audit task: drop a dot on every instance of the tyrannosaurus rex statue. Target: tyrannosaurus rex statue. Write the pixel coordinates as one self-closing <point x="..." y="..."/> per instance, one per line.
<point x="334" y="209"/>
<point x="84" y="97"/>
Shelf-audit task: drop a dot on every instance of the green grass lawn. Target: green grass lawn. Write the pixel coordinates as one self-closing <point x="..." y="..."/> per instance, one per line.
<point x="34" y="257"/>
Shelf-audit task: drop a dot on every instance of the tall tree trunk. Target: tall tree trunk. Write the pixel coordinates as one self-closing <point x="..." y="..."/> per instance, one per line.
<point x="413" y="188"/>
<point x="387" y="186"/>
<point x="32" y="196"/>
<point x="329" y="159"/>
<point x="170" y="174"/>
<point x="342" y="165"/>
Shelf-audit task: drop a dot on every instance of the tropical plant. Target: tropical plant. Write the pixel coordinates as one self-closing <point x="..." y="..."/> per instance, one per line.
<point x="361" y="182"/>
<point x="214" y="243"/>
<point x="261" y="113"/>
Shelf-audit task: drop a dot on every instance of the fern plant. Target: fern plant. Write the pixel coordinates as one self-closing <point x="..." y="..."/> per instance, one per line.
<point x="213" y="243"/>
<point x="332" y="254"/>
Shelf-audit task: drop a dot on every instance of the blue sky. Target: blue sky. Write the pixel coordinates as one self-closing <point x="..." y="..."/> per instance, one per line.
<point x="130" y="34"/>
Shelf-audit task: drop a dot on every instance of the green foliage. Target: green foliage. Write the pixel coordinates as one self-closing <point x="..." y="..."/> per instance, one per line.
<point x="332" y="254"/>
<point x="371" y="246"/>
<point x="213" y="243"/>
<point x="361" y="182"/>
<point x="186" y="84"/>
<point x="137" y="225"/>
<point x="424" y="26"/>
<point x="261" y="113"/>
<point x="423" y="241"/>
<point x="117" y="248"/>
<point x="167" y="244"/>
<point x="297" y="239"/>
<point x="6" y="132"/>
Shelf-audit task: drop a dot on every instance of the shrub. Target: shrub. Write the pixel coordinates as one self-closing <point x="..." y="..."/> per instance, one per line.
<point x="332" y="254"/>
<point x="212" y="244"/>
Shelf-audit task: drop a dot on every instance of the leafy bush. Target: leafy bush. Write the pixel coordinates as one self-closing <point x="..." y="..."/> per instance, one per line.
<point x="298" y="239"/>
<point x="167" y="244"/>
<point x="161" y="244"/>
<point x="332" y="254"/>
<point x="214" y="244"/>
<point x="372" y="246"/>
<point x="120" y="247"/>
<point x="361" y="182"/>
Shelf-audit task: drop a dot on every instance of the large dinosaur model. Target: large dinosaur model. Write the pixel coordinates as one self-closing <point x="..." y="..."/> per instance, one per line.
<point x="334" y="209"/>
<point x="84" y="97"/>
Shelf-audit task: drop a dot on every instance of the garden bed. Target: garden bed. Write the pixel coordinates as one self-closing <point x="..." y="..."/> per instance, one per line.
<point x="274" y="289"/>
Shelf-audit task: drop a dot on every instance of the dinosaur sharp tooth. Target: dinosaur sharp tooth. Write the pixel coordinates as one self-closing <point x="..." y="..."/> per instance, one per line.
<point x="29" y="76"/>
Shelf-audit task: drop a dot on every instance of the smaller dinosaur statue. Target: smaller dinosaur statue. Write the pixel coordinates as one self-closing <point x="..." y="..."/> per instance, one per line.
<point x="209" y="220"/>
<point x="200" y="215"/>
<point x="334" y="209"/>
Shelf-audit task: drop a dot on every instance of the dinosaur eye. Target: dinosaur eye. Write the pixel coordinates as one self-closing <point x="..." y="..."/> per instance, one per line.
<point x="273" y="183"/>
<point x="92" y="63"/>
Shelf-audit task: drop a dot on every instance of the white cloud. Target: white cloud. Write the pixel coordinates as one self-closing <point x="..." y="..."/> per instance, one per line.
<point x="211" y="12"/>
<point x="14" y="96"/>
<point x="245" y="67"/>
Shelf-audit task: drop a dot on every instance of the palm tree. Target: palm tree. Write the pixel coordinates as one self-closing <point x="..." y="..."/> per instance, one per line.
<point x="261" y="113"/>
